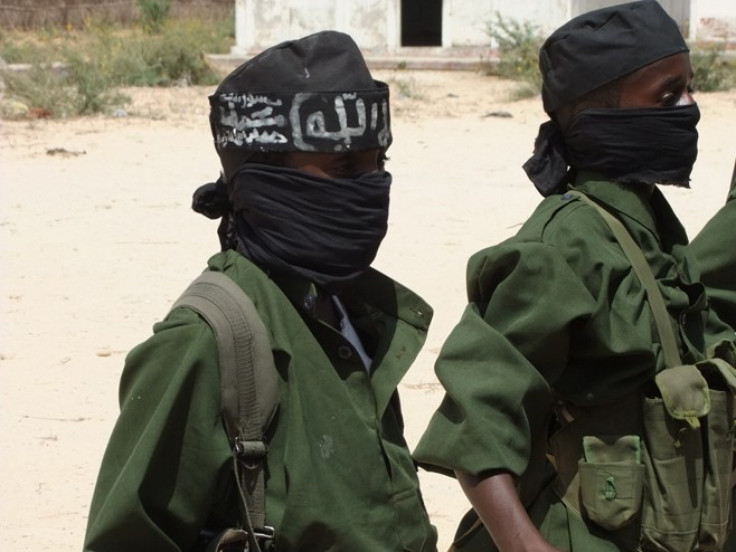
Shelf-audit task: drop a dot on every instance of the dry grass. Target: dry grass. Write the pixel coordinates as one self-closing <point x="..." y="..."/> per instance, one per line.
<point x="38" y="14"/>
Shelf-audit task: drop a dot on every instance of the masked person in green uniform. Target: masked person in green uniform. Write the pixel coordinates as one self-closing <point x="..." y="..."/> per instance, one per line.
<point x="301" y="131"/>
<point x="589" y="384"/>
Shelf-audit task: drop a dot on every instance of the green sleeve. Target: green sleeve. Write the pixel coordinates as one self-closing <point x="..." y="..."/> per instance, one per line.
<point x="168" y="453"/>
<point x="498" y="363"/>
<point x="714" y="250"/>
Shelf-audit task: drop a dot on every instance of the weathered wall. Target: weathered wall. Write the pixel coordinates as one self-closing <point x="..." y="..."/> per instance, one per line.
<point x="376" y="24"/>
<point x="715" y="19"/>
<point x="261" y="23"/>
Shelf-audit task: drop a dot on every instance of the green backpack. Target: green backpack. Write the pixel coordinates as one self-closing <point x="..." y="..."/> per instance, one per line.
<point x="249" y="398"/>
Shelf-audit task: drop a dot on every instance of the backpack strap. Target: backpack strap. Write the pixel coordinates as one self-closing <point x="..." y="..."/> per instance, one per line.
<point x="248" y="385"/>
<point x="641" y="267"/>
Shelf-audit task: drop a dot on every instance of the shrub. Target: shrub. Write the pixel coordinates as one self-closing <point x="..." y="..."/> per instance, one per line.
<point x="518" y="48"/>
<point x="712" y="69"/>
<point x="176" y="55"/>
<point x="154" y="14"/>
<point x="48" y="91"/>
<point x="101" y="57"/>
<point x="91" y="90"/>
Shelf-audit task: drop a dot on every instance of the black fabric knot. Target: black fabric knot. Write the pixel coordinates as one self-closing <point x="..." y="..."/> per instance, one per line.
<point x="211" y="200"/>
<point x="547" y="168"/>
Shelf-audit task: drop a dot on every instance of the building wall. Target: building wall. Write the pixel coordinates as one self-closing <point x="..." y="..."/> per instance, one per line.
<point x="376" y="24"/>
<point x="715" y="20"/>
<point x="262" y="23"/>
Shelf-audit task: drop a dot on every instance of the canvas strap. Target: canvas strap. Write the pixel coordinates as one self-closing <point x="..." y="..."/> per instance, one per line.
<point x="248" y="383"/>
<point x="633" y="252"/>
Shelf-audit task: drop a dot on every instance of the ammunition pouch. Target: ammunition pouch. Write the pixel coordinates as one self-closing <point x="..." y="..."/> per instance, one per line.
<point x="654" y="469"/>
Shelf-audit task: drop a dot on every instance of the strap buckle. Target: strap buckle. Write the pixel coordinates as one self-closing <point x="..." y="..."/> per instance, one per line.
<point x="251" y="452"/>
<point x="267" y="533"/>
<point x="263" y="538"/>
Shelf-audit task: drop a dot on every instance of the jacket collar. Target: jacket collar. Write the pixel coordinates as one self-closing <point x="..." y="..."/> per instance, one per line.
<point x="371" y="292"/>
<point x="635" y="206"/>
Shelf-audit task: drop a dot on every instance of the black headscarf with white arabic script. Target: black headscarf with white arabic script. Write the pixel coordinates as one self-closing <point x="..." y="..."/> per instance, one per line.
<point x="311" y="94"/>
<point x="314" y="94"/>
<point x="589" y="52"/>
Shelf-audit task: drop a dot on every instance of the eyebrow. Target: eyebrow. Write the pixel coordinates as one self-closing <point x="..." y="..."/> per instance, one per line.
<point x="675" y="80"/>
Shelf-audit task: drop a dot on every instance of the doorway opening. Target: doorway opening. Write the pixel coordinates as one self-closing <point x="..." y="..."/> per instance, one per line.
<point x="421" y="22"/>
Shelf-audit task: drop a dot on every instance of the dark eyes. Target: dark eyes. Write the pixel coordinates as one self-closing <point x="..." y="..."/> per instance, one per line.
<point x="351" y="165"/>
<point x="343" y="167"/>
<point x="673" y="97"/>
<point x="669" y="99"/>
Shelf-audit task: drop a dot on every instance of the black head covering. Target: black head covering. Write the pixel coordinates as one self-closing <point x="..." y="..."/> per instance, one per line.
<point x="598" y="47"/>
<point x="311" y="94"/>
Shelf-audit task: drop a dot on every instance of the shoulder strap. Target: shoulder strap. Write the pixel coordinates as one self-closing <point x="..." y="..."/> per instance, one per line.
<point x="248" y="380"/>
<point x="644" y="272"/>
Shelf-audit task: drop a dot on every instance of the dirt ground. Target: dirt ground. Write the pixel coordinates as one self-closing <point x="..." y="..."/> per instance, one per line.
<point x="97" y="239"/>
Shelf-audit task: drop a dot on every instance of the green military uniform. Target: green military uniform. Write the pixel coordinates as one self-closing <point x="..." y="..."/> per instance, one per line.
<point x="339" y="475"/>
<point x="713" y="247"/>
<point x="557" y="311"/>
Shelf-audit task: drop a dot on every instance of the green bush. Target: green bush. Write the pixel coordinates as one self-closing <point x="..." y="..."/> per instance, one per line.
<point x="154" y="14"/>
<point x="15" y="52"/>
<point x="92" y="92"/>
<point x="712" y="69"/>
<point x="39" y="88"/>
<point x="518" y="48"/>
<point x="75" y="89"/>
<point x="176" y="55"/>
<point x="101" y="57"/>
<point x="24" y="47"/>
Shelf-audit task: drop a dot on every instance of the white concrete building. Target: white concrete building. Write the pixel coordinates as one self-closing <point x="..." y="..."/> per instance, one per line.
<point x="442" y="26"/>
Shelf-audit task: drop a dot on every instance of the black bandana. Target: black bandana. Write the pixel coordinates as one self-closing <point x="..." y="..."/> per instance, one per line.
<point x="600" y="46"/>
<point x="547" y="167"/>
<point x="632" y="146"/>
<point x="311" y="94"/>
<point x="305" y="121"/>
<point x="326" y="230"/>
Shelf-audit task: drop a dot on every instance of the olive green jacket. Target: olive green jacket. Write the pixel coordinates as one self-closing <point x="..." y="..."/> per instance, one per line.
<point x="339" y="475"/>
<point x="714" y="249"/>
<point x="557" y="311"/>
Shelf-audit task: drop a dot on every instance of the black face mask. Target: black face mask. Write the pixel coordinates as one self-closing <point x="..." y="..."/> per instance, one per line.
<point x="632" y="146"/>
<point x="291" y="221"/>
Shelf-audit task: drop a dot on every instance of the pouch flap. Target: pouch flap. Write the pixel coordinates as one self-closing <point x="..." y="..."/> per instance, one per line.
<point x="608" y="449"/>
<point x="727" y="371"/>
<point x="684" y="393"/>
<point x="724" y="349"/>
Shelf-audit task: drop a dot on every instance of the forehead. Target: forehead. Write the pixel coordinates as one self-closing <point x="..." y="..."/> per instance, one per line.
<point x="667" y="70"/>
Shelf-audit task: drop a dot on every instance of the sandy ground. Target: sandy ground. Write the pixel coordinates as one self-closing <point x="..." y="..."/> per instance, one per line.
<point x="97" y="239"/>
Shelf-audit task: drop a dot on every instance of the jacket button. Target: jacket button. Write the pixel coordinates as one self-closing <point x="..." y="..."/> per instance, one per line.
<point x="344" y="352"/>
